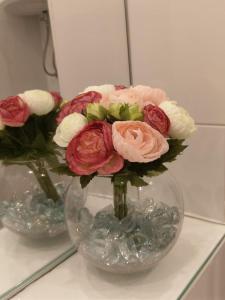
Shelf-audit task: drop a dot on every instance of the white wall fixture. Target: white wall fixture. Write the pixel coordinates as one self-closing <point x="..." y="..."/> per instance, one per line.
<point x="90" y="43"/>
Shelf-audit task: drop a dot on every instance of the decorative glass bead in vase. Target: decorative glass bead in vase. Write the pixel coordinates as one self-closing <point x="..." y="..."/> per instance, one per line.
<point x="122" y="228"/>
<point x="123" y="210"/>
<point x="32" y="196"/>
<point x="32" y="199"/>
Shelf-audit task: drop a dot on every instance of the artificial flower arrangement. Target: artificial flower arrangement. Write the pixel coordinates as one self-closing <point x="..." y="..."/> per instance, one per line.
<point x="125" y="135"/>
<point x="128" y="133"/>
<point x="27" y="125"/>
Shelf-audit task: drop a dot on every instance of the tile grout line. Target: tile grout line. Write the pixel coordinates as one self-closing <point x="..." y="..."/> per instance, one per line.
<point x="128" y="41"/>
<point x="210" y="124"/>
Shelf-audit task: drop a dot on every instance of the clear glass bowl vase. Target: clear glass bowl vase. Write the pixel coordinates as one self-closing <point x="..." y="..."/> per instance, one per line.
<point x="32" y="199"/>
<point x="121" y="228"/>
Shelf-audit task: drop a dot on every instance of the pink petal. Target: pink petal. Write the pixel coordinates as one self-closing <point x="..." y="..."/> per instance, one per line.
<point x="114" y="165"/>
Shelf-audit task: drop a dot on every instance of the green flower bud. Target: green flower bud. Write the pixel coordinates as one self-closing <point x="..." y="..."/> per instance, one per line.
<point x="95" y="111"/>
<point x="125" y="112"/>
<point x="135" y="114"/>
<point x="115" y="110"/>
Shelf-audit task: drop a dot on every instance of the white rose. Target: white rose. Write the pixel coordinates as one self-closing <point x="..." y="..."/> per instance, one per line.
<point x="102" y="89"/>
<point x="2" y="126"/>
<point x="181" y="123"/>
<point x="68" y="128"/>
<point x="40" y="102"/>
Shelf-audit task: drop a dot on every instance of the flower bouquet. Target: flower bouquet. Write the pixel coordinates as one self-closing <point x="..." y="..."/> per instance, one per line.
<point x="126" y="135"/>
<point x="32" y="198"/>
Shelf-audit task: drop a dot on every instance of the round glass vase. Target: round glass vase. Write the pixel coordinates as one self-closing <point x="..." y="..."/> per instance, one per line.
<point x="32" y="199"/>
<point x="121" y="228"/>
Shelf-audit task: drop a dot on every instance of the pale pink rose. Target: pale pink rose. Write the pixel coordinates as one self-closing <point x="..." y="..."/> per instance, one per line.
<point x="150" y="95"/>
<point x="129" y="96"/>
<point x="136" y="141"/>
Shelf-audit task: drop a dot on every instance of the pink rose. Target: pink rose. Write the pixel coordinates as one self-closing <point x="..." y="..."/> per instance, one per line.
<point x="78" y="104"/>
<point x="14" y="111"/>
<point x="136" y="141"/>
<point x="114" y="165"/>
<point x="150" y="95"/>
<point x="155" y="117"/>
<point x="91" y="150"/>
<point x="129" y="96"/>
<point x="57" y="97"/>
<point x="120" y="87"/>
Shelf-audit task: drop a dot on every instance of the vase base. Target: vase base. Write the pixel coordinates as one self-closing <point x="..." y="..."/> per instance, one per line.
<point x="35" y="216"/>
<point x="133" y="244"/>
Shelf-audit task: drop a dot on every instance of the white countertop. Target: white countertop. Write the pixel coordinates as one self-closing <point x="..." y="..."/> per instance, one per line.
<point x="73" y="279"/>
<point x="20" y="257"/>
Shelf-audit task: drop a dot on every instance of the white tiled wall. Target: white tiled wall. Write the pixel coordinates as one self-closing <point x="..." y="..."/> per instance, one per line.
<point x="90" y="43"/>
<point x="200" y="171"/>
<point x="20" y="55"/>
<point x="180" y="46"/>
<point x="177" y="45"/>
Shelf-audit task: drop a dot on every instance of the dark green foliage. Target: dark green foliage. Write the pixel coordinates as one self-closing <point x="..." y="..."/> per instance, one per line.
<point x="62" y="169"/>
<point x="135" y="171"/>
<point x="132" y="172"/>
<point x="85" y="179"/>
<point x="29" y="142"/>
<point x="176" y="148"/>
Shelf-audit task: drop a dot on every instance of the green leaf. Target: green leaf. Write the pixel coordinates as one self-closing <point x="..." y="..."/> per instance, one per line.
<point x="156" y="167"/>
<point x="31" y="141"/>
<point x="157" y="171"/>
<point x="39" y="142"/>
<point x="119" y="178"/>
<point x="136" y="180"/>
<point x="52" y="160"/>
<point x="63" y="169"/>
<point x="124" y="112"/>
<point x="176" y="147"/>
<point x="85" y="179"/>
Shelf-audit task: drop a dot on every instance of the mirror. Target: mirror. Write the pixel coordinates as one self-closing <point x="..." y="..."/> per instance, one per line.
<point x="26" y="63"/>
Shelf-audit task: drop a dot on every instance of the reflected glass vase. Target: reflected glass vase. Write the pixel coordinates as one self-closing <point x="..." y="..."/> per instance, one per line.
<point x="121" y="228"/>
<point x="32" y="199"/>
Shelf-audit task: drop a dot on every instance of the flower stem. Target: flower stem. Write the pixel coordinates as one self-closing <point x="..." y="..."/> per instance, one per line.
<point x="120" y="197"/>
<point x="44" y="179"/>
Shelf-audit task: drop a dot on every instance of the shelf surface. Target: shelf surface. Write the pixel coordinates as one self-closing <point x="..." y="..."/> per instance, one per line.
<point x="20" y="258"/>
<point x="169" y="280"/>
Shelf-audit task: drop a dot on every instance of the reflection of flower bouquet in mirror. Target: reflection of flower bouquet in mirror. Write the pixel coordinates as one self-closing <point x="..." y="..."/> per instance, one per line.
<point x="31" y="196"/>
<point x="126" y="134"/>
